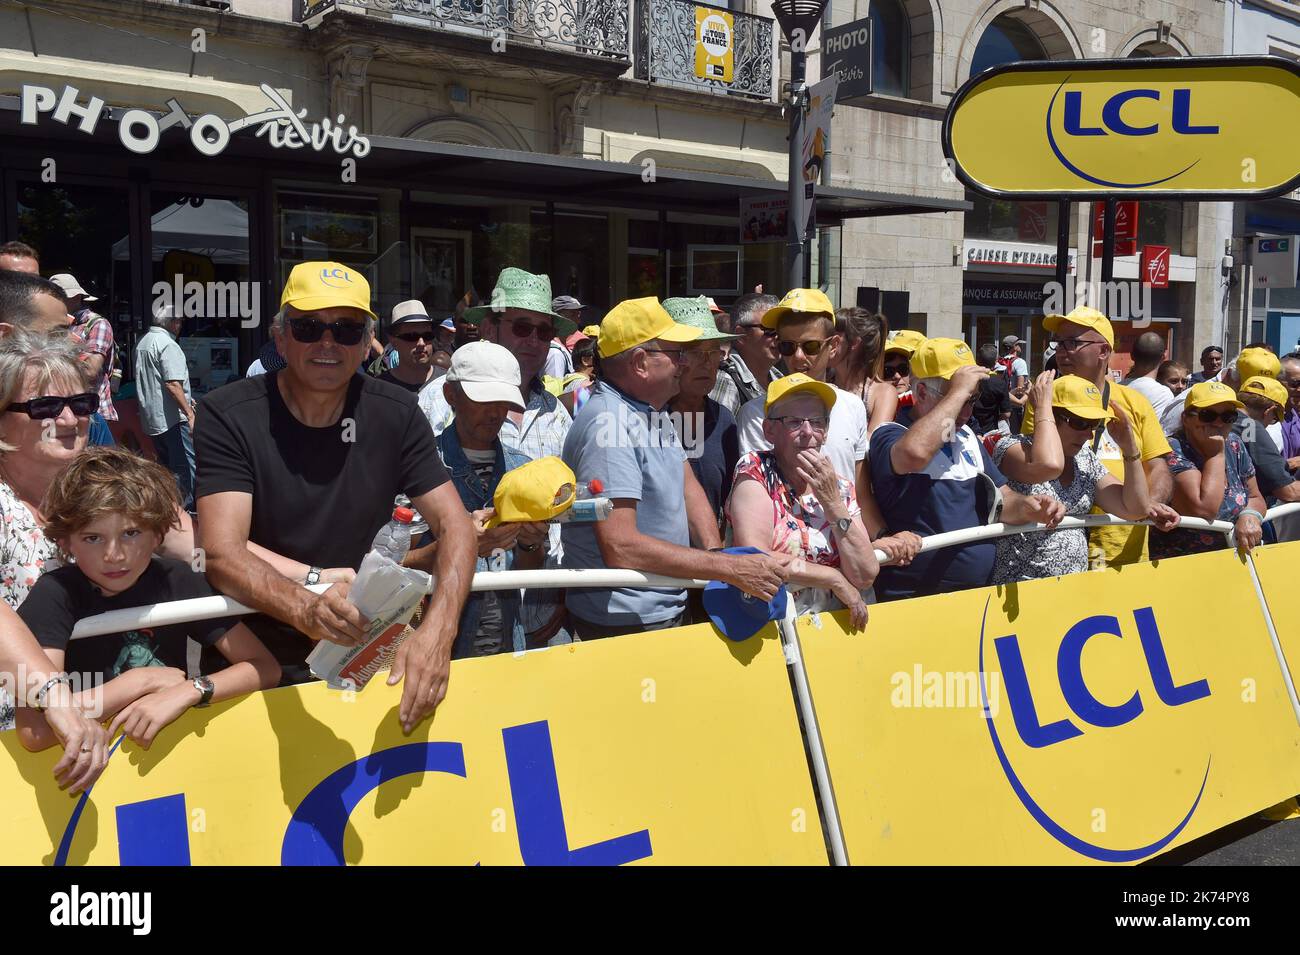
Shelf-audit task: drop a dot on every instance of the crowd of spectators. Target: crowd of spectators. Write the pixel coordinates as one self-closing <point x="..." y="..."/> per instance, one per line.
<point x="783" y="443"/>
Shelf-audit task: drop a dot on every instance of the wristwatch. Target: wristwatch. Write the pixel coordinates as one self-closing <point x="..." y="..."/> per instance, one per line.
<point x="843" y="524"/>
<point x="313" y="576"/>
<point x="205" y="688"/>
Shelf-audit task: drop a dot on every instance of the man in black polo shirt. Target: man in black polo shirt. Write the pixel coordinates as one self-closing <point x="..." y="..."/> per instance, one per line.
<point x="306" y="462"/>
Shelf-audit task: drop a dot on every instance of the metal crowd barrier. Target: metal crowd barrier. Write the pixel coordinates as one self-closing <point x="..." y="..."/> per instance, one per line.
<point x="204" y="608"/>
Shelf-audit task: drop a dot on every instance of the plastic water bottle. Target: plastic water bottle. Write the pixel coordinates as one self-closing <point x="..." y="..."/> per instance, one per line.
<point x="394" y="538"/>
<point x="589" y="504"/>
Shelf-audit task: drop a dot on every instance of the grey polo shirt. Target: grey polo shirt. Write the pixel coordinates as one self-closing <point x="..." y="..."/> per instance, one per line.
<point x="636" y="453"/>
<point x="158" y="360"/>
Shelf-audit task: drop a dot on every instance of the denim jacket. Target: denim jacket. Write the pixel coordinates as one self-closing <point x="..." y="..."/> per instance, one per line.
<point x="475" y="495"/>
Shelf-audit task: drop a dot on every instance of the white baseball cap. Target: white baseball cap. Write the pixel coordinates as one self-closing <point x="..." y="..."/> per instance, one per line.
<point x="411" y="310"/>
<point x="487" y="372"/>
<point x="71" y="287"/>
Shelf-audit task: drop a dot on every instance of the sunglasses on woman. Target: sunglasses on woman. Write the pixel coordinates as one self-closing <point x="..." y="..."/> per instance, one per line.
<point x="899" y="369"/>
<point x="1209" y="416"/>
<point x="810" y="347"/>
<point x="308" y="330"/>
<point x="1074" y="421"/>
<point x="51" y="406"/>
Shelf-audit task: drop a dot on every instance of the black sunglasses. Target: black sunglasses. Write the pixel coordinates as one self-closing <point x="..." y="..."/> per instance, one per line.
<point x="414" y="337"/>
<point x="767" y="332"/>
<point x="1209" y="417"/>
<point x="308" y="330"/>
<point x="810" y="347"/>
<point x="523" y="329"/>
<point x="1074" y="421"/>
<point x="51" y="406"/>
<point x="900" y="368"/>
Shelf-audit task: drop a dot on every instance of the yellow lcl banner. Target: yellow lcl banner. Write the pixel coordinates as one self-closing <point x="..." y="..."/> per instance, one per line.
<point x="1099" y="718"/>
<point x="715" y="44"/>
<point x="1196" y="127"/>
<point x="675" y="747"/>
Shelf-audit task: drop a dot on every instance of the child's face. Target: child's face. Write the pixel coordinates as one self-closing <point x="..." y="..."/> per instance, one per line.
<point x="112" y="551"/>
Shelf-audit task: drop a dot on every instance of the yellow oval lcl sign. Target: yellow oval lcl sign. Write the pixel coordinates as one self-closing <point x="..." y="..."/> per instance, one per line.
<point x="1204" y="127"/>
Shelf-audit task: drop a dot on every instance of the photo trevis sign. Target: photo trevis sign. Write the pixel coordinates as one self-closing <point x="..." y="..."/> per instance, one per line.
<point x="1199" y="127"/>
<point x="140" y="130"/>
<point x="715" y="44"/>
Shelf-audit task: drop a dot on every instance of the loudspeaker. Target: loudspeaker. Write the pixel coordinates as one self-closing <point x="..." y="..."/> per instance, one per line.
<point x="894" y="305"/>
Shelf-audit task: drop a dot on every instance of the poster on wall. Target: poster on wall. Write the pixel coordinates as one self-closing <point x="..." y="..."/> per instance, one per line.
<point x="763" y="220"/>
<point x="715" y="44"/>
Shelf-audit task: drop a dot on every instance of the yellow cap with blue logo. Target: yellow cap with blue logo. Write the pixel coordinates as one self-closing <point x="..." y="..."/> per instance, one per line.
<point x="317" y="285"/>
<point x="805" y="301"/>
<point x="940" y="357"/>
<point x="1207" y="394"/>
<point x="1080" y="397"/>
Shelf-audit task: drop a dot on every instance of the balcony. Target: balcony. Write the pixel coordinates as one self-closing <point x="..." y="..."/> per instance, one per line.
<point x="665" y="51"/>
<point x="586" y="27"/>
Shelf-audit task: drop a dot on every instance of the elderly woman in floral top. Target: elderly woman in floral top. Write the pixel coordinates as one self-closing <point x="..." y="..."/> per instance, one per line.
<point x="790" y="501"/>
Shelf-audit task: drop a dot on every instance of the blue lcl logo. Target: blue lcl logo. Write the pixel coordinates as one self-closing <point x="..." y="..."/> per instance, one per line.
<point x="1087" y="709"/>
<point x="1076" y="126"/>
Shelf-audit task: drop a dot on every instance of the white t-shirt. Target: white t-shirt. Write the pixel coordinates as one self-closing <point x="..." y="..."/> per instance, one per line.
<point x="558" y="361"/>
<point x="1154" y="392"/>
<point x="846" y="439"/>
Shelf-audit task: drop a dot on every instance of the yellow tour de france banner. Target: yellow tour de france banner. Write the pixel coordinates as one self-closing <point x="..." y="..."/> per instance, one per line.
<point x="1193" y="127"/>
<point x="1129" y="712"/>
<point x="715" y="44"/>
<point x="673" y="747"/>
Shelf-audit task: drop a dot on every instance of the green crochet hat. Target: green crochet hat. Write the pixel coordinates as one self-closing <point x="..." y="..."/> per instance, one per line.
<point x="516" y="288"/>
<point x="695" y="312"/>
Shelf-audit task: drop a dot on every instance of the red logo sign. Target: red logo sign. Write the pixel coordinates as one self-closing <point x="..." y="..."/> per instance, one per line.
<point x="1126" y="228"/>
<point x="1155" y="266"/>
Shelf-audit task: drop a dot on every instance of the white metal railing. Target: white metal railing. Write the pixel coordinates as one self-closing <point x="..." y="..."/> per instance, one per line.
<point x="206" y="608"/>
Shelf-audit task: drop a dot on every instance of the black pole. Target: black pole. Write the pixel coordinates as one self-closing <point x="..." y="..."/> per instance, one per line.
<point x="795" y="229"/>
<point x="1108" y="243"/>
<point x="1062" y="245"/>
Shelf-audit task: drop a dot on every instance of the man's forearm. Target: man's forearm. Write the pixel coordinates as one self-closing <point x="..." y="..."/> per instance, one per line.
<point x="654" y="556"/>
<point x="1160" y="482"/>
<point x="257" y="584"/>
<point x="453" y="570"/>
<point x="700" y="518"/>
<point x="926" y="436"/>
<point x="177" y="394"/>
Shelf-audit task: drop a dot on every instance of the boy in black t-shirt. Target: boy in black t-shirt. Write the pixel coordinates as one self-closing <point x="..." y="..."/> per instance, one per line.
<point x="108" y="511"/>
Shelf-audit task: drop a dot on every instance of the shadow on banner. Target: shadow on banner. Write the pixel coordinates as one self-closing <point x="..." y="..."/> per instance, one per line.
<point x="674" y="747"/>
<point x="1128" y="712"/>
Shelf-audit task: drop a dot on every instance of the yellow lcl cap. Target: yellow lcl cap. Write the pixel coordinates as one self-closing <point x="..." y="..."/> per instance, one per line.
<point x="316" y="285"/>
<point x="806" y="300"/>
<point x="792" y="385"/>
<point x="637" y="321"/>
<point x="1079" y="396"/>
<point x="940" y="357"/>
<point x="1207" y="394"/>
<point x="536" y="491"/>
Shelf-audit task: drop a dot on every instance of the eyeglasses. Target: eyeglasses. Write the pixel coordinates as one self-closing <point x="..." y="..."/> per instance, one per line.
<point x="51" y="406"/>
<point x="810" y="347"/>
<point x="699" y="355"/>
<point x="899" y="369"/>
<point x="1209" y="416"/>
<point x="677" y="355"/>
<point x="1074" y="421"/>
<point x="308" y="330"/>
<point x="523" y="329"/>
<point x="414" y="337"/>
<point x="793" y="423"/>
<point x="1068" y="345"/>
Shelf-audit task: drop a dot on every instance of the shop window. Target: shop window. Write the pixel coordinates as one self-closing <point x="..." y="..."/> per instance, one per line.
<point x="1006" y="40"/>
<point x="201" y="267"/>
<point x="1005" y="220"/>
<point x="1160" y="222"/>
<point x="891" y="48"/>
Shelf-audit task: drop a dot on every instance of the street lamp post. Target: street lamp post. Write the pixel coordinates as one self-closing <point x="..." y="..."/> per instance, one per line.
<point x="797" y="19"/>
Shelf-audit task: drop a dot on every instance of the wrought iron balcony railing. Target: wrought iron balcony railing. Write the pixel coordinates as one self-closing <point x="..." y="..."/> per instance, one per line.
<point x="665" y="51"/>
<point x="593" y="27"/>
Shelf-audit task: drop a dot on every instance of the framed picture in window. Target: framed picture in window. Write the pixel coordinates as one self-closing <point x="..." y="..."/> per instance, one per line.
<point x="714" y="269"/>
<point x="320" y="234"/>
<point x="440" y="268"/>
